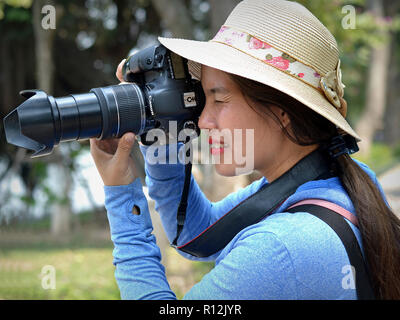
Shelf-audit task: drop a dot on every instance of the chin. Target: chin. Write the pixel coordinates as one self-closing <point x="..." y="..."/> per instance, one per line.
<point x="226" y="170"/>
<point x="230" y="170"/>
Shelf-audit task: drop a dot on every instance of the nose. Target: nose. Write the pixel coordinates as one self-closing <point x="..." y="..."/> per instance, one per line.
<point x="207" y="119"/>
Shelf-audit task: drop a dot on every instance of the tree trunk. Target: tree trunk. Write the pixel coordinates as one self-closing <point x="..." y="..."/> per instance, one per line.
<point x="392" y="115"/>
<point x="20" y="66"/>
<point x="43" y="49"/>
<point x="372" y="116"/>
<point x="219" y="11"/>
<point x="175" y="17"/>
<point x="61" y="211"/>
<point x="61" y="214"/>
<point x="6" y="76"/>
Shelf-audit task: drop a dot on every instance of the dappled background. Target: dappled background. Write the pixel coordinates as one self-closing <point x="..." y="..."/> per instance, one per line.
<point x="51" y="208"/>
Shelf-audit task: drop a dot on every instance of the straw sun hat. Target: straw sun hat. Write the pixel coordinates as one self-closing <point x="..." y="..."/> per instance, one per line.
<point x="280" y="44"/>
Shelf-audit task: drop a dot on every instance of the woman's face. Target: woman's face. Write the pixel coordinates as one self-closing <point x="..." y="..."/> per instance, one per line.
<point x="239" y="137"/>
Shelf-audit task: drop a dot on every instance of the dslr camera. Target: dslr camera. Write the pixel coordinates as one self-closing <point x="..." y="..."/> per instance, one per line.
<point x="159" y="89"/>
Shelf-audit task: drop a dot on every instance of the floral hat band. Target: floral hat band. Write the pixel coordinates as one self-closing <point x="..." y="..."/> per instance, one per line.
<point x="330" y="85"/>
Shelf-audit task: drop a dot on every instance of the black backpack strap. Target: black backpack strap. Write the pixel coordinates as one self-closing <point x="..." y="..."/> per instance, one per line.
<point x="349" y="240"/>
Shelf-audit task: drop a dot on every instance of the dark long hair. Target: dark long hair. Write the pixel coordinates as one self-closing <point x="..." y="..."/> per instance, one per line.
<point x="379" y="226"/>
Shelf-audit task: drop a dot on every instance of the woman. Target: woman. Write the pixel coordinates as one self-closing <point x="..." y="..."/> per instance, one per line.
<point x="274" y="68"/>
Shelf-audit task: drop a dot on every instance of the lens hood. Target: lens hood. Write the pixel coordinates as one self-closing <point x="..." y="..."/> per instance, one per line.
<point x="31" y="125"/>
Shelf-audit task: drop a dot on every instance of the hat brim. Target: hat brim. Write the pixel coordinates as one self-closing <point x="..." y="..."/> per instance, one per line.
<point x="225" y="58"/>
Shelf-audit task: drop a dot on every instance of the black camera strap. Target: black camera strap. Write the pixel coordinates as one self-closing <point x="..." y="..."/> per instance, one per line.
<point x="262" y="203"/>
<point x="181" y="215"/>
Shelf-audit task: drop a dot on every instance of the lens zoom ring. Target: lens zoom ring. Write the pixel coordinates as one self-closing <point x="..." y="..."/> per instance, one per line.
<point x="129" y="108"/>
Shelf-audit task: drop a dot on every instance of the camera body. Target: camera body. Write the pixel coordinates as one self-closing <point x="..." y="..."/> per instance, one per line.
<point x="158" y="89"/>
<point x="169" y="91"/>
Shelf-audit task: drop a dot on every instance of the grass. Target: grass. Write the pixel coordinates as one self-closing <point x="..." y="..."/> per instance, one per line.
<point x="82" y="263"/>
<point x="85" y="273"/>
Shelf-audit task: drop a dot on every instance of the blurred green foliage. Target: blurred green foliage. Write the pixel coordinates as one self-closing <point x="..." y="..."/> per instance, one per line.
<point x="381" y="158"/>
<point x="16" y="4"/>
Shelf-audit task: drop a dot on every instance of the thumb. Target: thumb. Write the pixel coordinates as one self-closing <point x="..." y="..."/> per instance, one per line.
<point x="125" y="145"/>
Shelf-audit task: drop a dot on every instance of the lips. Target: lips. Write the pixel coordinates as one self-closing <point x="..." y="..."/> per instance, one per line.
<point x="216" y="146"/>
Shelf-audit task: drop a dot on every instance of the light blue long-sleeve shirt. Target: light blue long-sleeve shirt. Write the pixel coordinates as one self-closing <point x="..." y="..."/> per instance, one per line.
<point x="285" y="256"/>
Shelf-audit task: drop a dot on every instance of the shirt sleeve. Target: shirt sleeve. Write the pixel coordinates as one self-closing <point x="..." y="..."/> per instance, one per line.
<point x="140" y="274"/>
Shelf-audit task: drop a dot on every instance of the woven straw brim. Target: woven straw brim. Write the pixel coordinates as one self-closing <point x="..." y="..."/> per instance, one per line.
<point x="228" y="59"/>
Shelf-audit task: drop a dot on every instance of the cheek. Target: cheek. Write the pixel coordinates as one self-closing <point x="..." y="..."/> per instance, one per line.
<point x="236" y="122"/>
<point x="247" y="124"/>
<point x="244" y="125"/>
<point x="268" y="146"/>
<point x="259" y="129"/>
<point x="229" y="118"/>
<point x="262" y="142"/>
<point x="266" y="131"/>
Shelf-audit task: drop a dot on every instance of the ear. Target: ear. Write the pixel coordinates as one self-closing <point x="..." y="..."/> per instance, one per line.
<point x="282" y="115"/>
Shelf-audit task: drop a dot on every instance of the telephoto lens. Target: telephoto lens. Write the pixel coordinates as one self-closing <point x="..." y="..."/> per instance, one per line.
<point x="43" y="121"/>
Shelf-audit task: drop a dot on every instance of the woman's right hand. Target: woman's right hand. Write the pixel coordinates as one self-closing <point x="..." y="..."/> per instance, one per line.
<point x="113" y="159"/>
